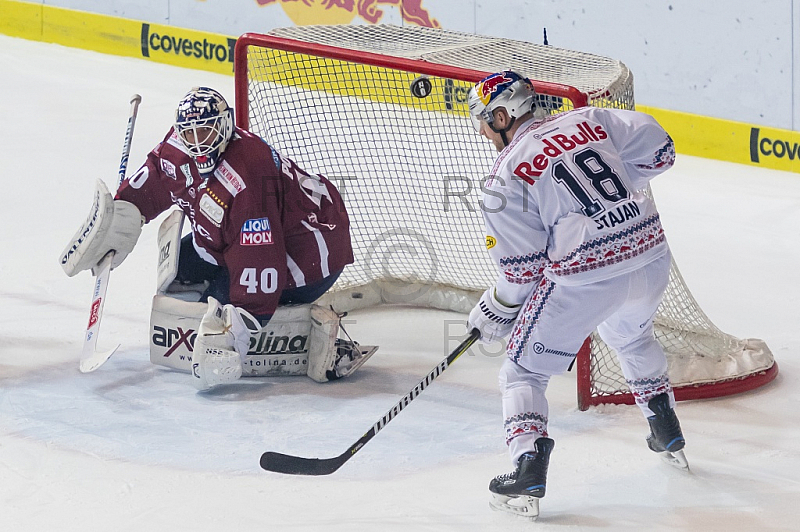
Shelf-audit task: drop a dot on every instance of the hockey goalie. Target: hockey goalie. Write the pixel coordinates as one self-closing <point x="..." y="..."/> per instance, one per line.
<point x="236" y="295"/>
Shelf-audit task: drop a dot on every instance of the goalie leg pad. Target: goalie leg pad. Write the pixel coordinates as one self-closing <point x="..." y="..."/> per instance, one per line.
<point x="322" y="343"/>
<point x="292" y="343"/>
<point x="278" y="349"/>
<point x="169" y="251"/>
<point x="173" y="330"/>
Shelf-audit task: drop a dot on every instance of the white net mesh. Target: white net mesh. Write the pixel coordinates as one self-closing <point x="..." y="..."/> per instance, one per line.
<point x="410" y="170"/>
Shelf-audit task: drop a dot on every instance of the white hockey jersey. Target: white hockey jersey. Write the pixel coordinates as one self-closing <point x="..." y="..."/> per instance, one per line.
<point x="566" y="200"/>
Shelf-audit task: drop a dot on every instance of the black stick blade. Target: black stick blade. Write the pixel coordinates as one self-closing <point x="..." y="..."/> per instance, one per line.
<point x="295" y="465"/>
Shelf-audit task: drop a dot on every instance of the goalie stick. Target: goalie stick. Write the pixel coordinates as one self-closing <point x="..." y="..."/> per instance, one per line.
<point x="296" y="465"/>
<point x="91" y="358"/>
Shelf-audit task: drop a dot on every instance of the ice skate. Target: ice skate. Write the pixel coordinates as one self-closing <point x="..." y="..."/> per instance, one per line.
<point x="519" y="492"/>
<point x="349" y="357"/>
<point x="666" y="437"/>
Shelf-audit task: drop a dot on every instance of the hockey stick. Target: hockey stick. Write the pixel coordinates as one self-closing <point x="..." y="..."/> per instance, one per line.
<point x="295" y="465"/>
<point x="91" y="358"/>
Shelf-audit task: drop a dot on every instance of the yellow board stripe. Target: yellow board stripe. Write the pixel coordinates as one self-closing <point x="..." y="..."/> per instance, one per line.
<point x="367" y="82"/>
<point x="19" y="19"/>
<point x="118" y="36"/>
<point x="712" y="138"/>
<point x="726" y="140"/>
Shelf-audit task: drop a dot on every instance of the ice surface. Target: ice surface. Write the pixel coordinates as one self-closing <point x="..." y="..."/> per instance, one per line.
<point x="134" y="447"/>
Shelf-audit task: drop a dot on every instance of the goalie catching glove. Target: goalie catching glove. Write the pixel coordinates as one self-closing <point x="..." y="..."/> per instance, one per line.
<point x="222" y="341"/>
<point x="112" y="225"/>
<point x="492" y="318"/>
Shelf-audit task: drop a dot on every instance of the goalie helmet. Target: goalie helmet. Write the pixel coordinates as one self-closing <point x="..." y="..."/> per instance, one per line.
<point x="505" y="89"/>
<point x="204" y="123"/>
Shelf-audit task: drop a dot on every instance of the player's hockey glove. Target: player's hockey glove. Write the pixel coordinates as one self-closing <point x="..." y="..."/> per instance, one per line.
<point x="493" y="318"/>
<point x="222" y="341"/>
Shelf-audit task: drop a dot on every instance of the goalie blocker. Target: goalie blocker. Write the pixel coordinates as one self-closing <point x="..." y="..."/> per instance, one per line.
<point x="298" y="340"/>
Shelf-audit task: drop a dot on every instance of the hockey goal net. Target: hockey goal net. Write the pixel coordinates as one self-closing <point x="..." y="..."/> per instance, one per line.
<point x="381" y="111"/>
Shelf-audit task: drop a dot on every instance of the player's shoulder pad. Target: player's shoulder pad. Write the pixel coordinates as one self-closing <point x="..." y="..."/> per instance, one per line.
<point x="254" y="144"/>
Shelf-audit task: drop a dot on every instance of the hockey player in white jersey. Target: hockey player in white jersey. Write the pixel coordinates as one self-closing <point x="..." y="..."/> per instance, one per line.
<point x="579" y="246"/>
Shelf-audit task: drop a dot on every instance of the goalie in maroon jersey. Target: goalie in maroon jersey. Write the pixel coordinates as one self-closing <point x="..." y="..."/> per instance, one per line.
<point x="264" y="232"/>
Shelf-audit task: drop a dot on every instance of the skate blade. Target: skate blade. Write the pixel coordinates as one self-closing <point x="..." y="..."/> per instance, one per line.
<point x="521" y="505"/>
<point x="676" y="459"/>
<point x="366" y="351"/>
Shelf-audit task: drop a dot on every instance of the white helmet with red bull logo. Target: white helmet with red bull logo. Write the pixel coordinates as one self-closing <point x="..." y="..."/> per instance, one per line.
<point x="204" y="123"/>
<point x="505" y="89"/>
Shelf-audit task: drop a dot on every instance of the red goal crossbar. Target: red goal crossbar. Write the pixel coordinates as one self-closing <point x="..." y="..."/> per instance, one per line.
<point x="578" y="98"/>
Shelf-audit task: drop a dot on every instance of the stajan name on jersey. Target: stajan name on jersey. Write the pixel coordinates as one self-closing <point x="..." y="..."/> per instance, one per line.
<point x="620" y="214"/>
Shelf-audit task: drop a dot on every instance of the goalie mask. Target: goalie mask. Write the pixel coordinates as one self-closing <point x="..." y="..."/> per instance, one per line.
<point x="204" y="123"/>
<point x="505" y="89"/>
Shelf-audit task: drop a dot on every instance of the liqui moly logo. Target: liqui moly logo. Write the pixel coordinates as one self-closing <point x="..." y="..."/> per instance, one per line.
<point x="556" y="145"/>
<point x="256" y="232"/>
<point x="488" y="86"/>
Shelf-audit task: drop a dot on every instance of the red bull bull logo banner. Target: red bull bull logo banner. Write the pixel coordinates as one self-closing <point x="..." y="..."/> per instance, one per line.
<point x="304" y="12"/>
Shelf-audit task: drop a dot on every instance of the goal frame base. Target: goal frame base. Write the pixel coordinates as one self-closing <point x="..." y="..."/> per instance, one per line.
<point x="713" y="390"/>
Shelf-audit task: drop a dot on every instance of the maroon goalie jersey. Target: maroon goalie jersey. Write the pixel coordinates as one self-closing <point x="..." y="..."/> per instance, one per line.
<point x="272" y="225"/>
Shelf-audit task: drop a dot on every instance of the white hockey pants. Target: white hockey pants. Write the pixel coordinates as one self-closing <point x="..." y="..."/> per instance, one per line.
<point x="551" y="328"/>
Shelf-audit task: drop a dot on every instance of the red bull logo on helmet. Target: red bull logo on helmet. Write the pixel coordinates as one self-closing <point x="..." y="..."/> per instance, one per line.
<point x="304" y="12"/>
<point x="494" y="84"/>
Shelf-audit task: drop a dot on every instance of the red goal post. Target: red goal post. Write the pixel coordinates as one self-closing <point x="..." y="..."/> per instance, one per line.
<point x="337" y="100"/>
